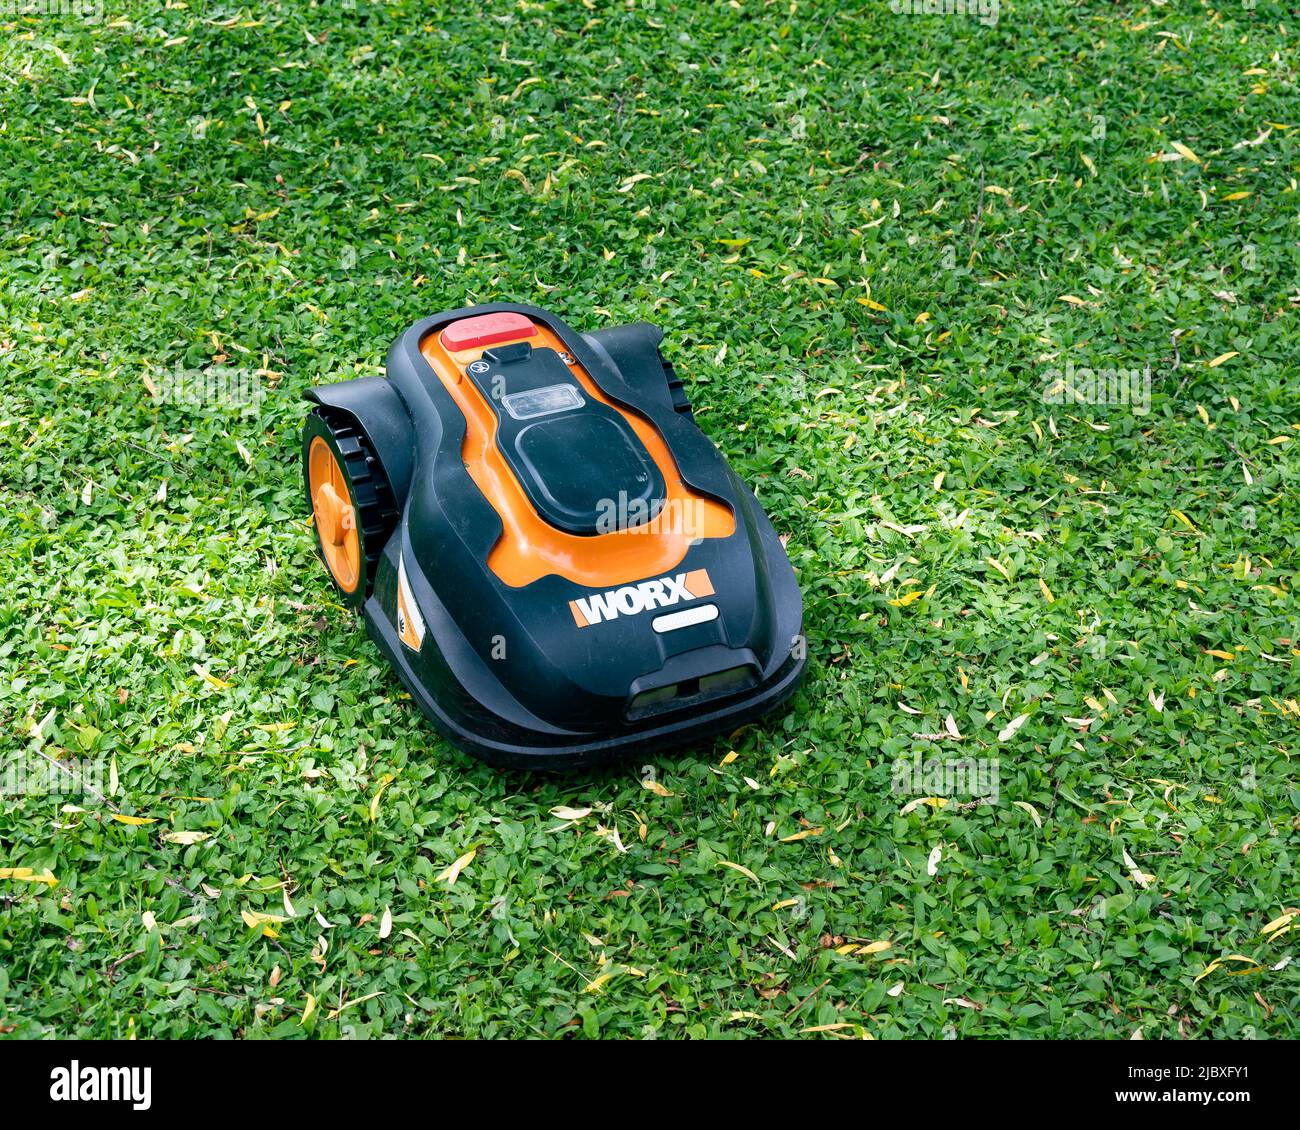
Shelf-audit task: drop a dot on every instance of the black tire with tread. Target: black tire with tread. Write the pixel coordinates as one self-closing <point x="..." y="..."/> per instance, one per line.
<point x="371" y="495"/>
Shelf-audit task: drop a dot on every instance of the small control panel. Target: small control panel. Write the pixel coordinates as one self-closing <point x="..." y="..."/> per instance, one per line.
<point x="577" y="459"/>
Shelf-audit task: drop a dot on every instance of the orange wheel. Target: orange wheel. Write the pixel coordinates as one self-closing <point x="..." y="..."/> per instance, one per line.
<point x="350" y="501"/>
<point x="336" y="517"/>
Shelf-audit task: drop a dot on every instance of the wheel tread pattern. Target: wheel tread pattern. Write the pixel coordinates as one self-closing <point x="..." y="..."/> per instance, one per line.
<point x="372" y="496"/>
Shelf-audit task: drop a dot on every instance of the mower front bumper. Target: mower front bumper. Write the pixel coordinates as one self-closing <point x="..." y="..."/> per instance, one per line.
<point x="510" y="746"/>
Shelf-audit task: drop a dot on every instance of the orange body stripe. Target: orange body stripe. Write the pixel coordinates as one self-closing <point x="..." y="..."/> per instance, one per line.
<point x="530" y="547"/>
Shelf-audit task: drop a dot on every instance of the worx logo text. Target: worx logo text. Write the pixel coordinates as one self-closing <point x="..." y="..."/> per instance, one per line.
<point x="641" y="597"/>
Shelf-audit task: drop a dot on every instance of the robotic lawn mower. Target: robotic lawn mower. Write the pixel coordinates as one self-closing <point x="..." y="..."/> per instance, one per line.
<point x="553" y="556"/>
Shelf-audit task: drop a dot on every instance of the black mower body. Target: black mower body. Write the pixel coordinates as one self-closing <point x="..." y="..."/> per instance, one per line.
<point x="556" y="670"/>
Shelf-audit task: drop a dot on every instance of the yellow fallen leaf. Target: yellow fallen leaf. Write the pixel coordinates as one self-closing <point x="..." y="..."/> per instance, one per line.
<point x="1220" y="654"/>
<point x="870" y="305"/>
<point x="637" y="178"/>
<point x="1047" y="593"/>
<point x="1278" y="439"/>
<point x="1186" y="152"/>
<point x="256" y="920"/>
<point x="211" y="680"/>
<point x="803" y="835"/>
<point x="876" y="947"/>
<point x="1236" y="196"/>
<point x="596" y="985"/>
<point x="998" y="566"/>
<point x="308" y="1008"/>
<point x="1072" y="299"/>
<point x="334" y="1015"/>
<point x="386" y="780"/>
<point x="907" y="598"/>
<point x="1206" y="971"/>
<point x="450" y="874"/>
<point x="1221" y="358"/>
<point x="743" y="870"/>
<point x="1218" y="961"/>
<point x="1008" y="731"/>
<point x="134" y="820"/>
<point x="563" y="812"/>
<point x="27" y="875"/>
<point x="1033" y="812"/>
<point x="1278" y="923"/>
<point x="185" y="839"/>
<point x="1186" y="521"/>
<point x="1138" y="876"/>
<point x="731" y="756"/>
<point x="935" y="802"/>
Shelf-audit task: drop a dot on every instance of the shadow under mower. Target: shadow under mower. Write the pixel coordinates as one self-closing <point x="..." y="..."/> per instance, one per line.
<point x="557" y="561"/>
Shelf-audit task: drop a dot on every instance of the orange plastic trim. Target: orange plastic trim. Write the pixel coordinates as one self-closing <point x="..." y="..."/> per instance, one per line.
<point x="530" y="547"/>
<point x="336" y="520"/>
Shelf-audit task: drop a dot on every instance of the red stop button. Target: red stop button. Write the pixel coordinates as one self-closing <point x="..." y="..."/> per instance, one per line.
<point x="485" y="330"/>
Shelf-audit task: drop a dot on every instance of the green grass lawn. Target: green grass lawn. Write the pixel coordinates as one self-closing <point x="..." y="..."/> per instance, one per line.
<point x="873" y="240"/>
